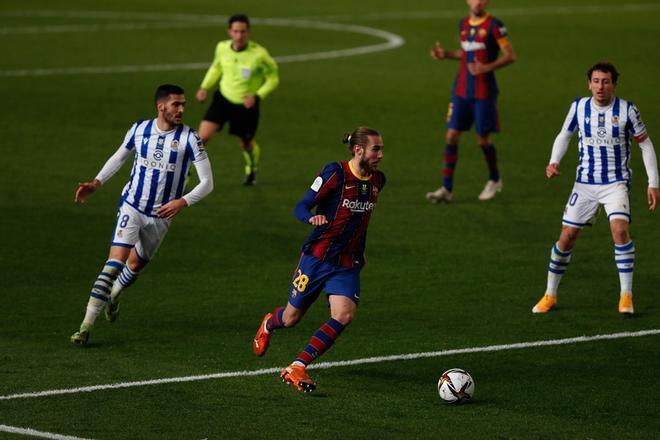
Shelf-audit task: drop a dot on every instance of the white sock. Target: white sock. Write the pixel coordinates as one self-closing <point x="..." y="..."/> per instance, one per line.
<point x="100" y="293"/>
<point x="558" y="263"/>
<point x="624" y="256"/>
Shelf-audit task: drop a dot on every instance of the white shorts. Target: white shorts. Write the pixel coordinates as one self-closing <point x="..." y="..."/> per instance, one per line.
<point x="585" y="200"/>
<point x="134" y="229"/>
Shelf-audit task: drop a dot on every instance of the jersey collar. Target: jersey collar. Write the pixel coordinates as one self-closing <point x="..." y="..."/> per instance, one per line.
<point x="357" y="174"/>
<point x="478" y="21"/>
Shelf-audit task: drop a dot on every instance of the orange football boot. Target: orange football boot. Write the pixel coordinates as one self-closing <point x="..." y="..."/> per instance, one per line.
<point x="261" y="340"/>
<point x="296" y="375"/>
<point x="626" y="304"/>
<point x="545" y="304"/>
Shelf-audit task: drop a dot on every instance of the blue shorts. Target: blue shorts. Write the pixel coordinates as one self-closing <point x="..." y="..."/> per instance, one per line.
<point x="465" y="111"/>
<point x="313" y="275"/>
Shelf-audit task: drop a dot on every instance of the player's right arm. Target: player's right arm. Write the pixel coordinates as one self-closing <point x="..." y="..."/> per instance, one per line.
<point x="562" y="141"/>
<point x="211" y="78"/>
<point x="111" y="166"/>
<point x="323" y="185"/>
<point x="440" y="53"/>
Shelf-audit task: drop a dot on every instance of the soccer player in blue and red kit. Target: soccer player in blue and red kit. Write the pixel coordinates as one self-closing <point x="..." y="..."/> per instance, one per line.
<point x="474" y="94"/>
<point x="345" y="195"/>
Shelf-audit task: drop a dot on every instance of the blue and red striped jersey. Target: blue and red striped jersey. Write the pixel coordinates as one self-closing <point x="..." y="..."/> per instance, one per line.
<point x="481" y="41"/>
<point x="347" y="201"/>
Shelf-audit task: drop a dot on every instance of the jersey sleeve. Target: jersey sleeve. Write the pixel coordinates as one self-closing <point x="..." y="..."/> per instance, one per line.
<point x="500" y="33"/>
<point x="570" y="123"/>
<point x="129" y="138"/>
<point x="197" y="151"/>
<point x="214" y="73"/>
<point x="271" y="75"/>
<point x="325" y="182"/>
<point x="637" y="127"/>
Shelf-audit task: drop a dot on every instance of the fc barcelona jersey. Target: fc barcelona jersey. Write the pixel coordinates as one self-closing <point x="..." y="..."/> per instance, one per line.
<point x="481" y="41"/>
<point x="347" y="200"/>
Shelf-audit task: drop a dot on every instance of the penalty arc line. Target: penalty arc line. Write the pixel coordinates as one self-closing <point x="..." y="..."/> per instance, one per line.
<point x="333" y="364"/>
<point x="392" y="41"/>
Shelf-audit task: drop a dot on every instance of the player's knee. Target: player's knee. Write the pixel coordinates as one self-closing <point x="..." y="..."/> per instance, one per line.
<point x="344" y="318"/>
<point x="568" y="238"/>
<point x="452" y="137"/>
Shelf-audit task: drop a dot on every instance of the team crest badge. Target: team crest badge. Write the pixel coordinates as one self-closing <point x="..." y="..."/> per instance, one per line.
<point x="483" y="32"/>
<point x="174" y="144"/>
<point x="119" y="234"/>
<point x="245" y="72"/>
<point x="615" y="120"/>
<point x="294" y="293"/>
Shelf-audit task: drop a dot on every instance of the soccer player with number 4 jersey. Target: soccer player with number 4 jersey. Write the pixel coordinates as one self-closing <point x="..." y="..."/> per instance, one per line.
<point x="606" y="125"/>
<point x="345" y="195"/>
<point x="162" y="149"/>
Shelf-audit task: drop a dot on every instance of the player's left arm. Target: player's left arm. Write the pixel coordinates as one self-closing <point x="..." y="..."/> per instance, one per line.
<point x="508" y="55"/>
<point x="271" y="75"/>
<point x="648" y="155"/>
<point x="202" y="189"/>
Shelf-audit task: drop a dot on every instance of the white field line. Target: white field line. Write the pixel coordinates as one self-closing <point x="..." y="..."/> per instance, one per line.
<point x="392" y="41"/>
<point x="326" y="365"/>
<point x="34" y="433"/>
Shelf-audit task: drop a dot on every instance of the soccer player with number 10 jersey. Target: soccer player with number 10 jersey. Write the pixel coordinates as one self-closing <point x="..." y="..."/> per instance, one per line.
<point x="606" y="125"/>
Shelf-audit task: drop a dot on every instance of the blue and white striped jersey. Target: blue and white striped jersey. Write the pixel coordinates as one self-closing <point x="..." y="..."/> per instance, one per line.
<point x="604" y="139"/>
<point x="162" y="161"/>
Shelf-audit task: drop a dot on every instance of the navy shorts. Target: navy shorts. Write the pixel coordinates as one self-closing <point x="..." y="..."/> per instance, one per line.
<point x="463" y="112"/>
<point x="313" y="275"/>
<point x="243" y="121"/>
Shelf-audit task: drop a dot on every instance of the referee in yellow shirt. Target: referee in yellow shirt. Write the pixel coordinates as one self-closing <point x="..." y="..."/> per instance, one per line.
<point x="246" y="74"/>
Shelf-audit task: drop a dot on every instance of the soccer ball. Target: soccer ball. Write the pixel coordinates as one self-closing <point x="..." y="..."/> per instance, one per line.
<point x="456" y="386"/>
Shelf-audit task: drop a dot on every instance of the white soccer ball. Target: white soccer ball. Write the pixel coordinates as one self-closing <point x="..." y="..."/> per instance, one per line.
<point x="456" y="386"/>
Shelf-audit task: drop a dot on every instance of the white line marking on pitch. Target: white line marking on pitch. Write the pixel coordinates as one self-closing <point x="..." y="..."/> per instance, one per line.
<point x="326" y="365"/>
<point x="34" y="433"/>
<point x="392" y="41"/>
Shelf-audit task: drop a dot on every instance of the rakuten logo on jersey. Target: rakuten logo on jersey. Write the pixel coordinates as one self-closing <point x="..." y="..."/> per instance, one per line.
<point x="159" y="165"/>
<point x="357" y="206"/>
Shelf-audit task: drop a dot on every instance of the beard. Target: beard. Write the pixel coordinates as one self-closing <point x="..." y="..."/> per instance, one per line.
<point x="172" y="118"/>
<point x="369" y="168"/>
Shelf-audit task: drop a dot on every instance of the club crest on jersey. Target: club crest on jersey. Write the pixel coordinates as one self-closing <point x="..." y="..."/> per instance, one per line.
<point x="174" y="145"/>
<point x="615" y="120"/>
<point x="245" y="72"/>
<point x="483" y="32"/>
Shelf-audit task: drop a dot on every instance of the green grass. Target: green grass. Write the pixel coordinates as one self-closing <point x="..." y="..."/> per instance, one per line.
<point x="439" y="277"/>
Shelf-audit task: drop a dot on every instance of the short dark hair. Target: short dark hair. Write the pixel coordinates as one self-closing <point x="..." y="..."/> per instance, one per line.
<point x="604" y="66"/>
<point x="165" y="90"/>
<point x="360" y="136"/>
<point x="241" y="18"/>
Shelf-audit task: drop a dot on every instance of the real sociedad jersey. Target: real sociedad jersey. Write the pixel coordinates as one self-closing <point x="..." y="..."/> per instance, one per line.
<point x="162" y="161"/>
<point x="604" y="139"/>
<point x="347" y="202"/>
<point x="481" y="41"/>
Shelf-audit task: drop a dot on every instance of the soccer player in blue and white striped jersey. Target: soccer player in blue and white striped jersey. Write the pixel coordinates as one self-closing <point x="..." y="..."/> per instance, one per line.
<point x="163" y="150"/>
<point x="606" y="124"/>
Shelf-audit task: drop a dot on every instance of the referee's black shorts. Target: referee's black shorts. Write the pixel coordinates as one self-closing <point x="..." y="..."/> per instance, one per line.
<point x="243" y="121"/>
